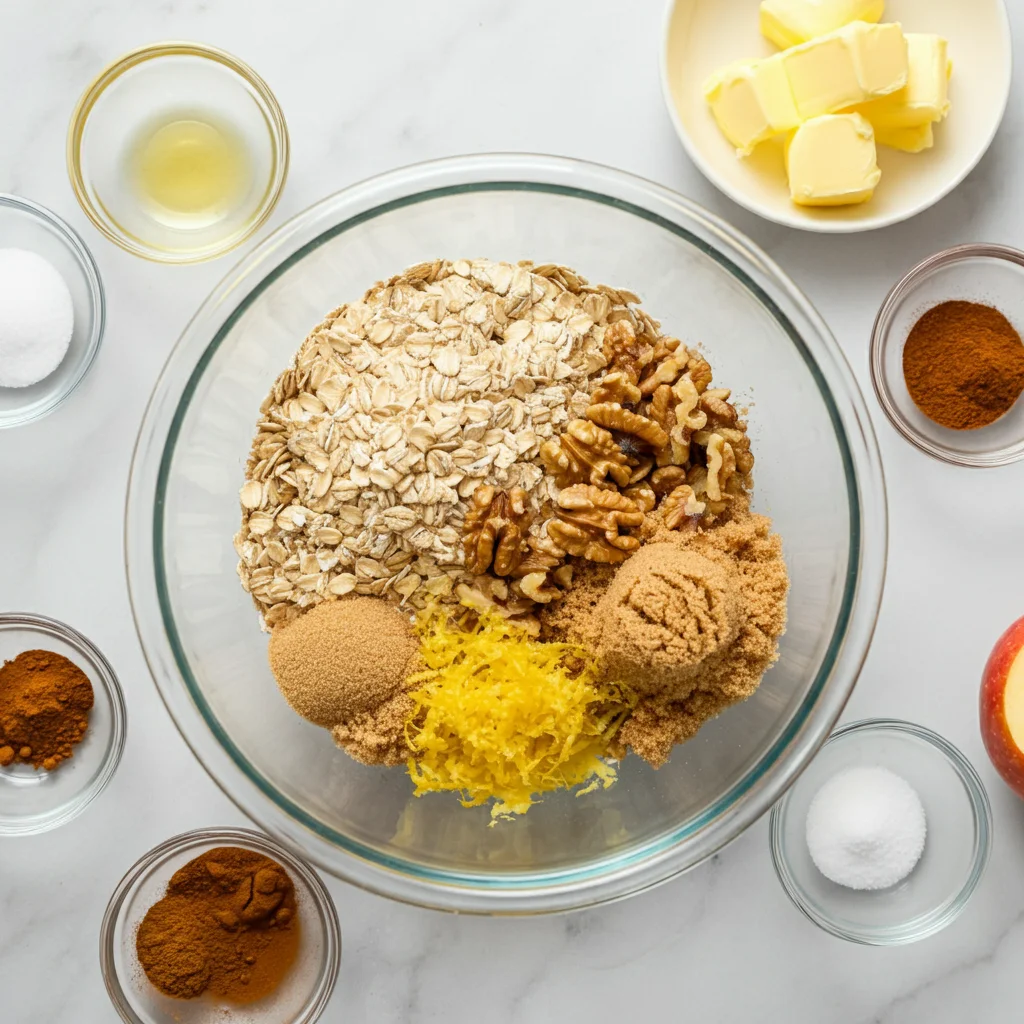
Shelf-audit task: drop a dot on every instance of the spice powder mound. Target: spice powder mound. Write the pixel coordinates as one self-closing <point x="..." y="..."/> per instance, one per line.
<point x="963" y="363"/>
<point x="45" y="700"/>
<point x="227" y="926"/>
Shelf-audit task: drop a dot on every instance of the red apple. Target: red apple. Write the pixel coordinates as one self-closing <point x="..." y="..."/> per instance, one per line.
<point x="1002" y="706"/>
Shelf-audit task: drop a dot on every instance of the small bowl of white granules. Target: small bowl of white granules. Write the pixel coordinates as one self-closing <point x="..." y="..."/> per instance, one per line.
<point x="885" y="836"/>
<point x="51" y="311"/>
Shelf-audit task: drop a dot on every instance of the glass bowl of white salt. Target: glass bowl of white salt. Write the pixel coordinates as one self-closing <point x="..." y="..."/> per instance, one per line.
<point x="885" y="837"/>
<point x="51" y="311"/>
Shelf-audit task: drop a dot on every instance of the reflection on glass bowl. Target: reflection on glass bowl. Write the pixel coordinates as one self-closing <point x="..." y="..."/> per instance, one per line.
<point x="818" y="475"/>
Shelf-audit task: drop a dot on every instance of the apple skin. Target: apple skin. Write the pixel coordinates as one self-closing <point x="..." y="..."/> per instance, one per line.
<point x="1006" y="757"/>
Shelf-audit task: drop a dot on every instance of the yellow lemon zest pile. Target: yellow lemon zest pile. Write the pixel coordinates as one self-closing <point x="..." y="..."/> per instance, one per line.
<point x="502" y="716"/>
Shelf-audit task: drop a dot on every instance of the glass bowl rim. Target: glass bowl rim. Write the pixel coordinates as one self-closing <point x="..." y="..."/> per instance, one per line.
<point x="934" y="921"/>
<point x="278" y="127"/>
<point x="249" y="839"/>
<point x="653" y="861"/>
<point x="97" y="302"/>
<point x="880" y="338"/>
<point x="46" y="626"/>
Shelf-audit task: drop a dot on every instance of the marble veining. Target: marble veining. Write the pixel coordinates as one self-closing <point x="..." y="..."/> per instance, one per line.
<point x="367" y="87"/>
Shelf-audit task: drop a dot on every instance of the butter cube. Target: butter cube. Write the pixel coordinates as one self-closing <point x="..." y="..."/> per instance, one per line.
<point x="849" y="66"/>
<point x="752" y="101"/>
<point x="925" y="97"/>
<point x="832" y="161"/>
<point x="791" y="22"/>
<point x="910" y="140"/>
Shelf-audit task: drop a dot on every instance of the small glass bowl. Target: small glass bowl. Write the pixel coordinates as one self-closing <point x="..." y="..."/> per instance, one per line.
<point x="959" y="822"/>
<point x="303" y="994"/>
<point x="167" y="81"/>
<point x="33" y="800"/>
<point x="990" y="274"/>
<point x="27" y="225"/>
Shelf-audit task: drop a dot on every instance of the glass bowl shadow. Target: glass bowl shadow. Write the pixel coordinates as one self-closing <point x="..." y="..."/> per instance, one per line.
<point x="959" y="824"/>
<point x="989" y="274"/>
<point x="304" y="992"/>
<point x="33" y="800"/>
<point x="818" y="474"/>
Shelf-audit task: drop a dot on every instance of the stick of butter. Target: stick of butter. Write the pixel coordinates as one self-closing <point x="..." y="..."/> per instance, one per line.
<point x="752" y="101"/>
<point x="859" y="60"/>
<point x="791" y="22"/>
<point x="910" y="140"/>
<point x="925" y="97"/>
<point x="832" y="161"/>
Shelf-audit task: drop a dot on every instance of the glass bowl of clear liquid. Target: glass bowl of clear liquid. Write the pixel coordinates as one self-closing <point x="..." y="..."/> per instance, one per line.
<point x="178" y="152"/>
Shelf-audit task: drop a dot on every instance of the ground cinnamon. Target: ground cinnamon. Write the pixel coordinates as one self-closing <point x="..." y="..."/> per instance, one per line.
<point x="45" y="700"/>
<point x="227" y="926"/>
<point x="964" y="365"/>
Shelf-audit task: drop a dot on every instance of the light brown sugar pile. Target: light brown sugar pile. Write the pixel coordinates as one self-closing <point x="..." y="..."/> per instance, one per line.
<point x="343" y="659"/>
<point x="669" y="614"/>
<point x="378" y="736"/>
<point x="691" y="622"/>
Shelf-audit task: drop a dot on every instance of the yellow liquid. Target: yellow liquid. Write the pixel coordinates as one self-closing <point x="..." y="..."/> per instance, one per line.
<point x="190" y="173"/>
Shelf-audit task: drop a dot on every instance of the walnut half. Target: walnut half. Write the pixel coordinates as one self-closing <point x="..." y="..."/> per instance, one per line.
<point x="589" y="520"/>
<point x="585" y="453"/>
<point x="495" y="531"/>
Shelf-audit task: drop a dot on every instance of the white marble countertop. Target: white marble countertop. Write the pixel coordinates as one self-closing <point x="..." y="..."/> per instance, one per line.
<point x="367" y="87"/>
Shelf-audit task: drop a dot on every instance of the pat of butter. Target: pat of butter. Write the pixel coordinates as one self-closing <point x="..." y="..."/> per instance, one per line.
<point x="752" y="101"/>
<point x="791" y="22"/>
<point x="925" y="97"/>
<point x="910" y="140"/>
<point x="854" y="64"/>
<point x="831" y="161"/>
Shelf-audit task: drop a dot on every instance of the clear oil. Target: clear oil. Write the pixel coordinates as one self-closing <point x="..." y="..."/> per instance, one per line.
<point x="189" y="171"/>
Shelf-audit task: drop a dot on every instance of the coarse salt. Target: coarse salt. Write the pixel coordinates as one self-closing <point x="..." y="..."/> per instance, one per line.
<point x="866" y="828"/>
<point x="36" y="318"/>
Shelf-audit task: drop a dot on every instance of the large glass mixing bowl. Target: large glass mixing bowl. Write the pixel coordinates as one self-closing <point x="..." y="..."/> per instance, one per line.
<point x="818" y="475"/>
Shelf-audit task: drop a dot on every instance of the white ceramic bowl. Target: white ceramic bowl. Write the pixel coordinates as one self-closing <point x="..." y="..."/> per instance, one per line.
<point x="702" y="35"/>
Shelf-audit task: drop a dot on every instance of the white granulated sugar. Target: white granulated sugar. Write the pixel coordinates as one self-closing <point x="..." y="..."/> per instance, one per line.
<point x="36" y="318"/>
<point x="866" y="828"/>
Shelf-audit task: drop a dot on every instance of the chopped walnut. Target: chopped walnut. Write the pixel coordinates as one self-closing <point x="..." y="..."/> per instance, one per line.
<point x="543" y="555"/>
<point x="681" y="507"/>
<point x="667" y="371"/>
<point x="643" y="495"/>
<point x="625" y="352"/>
<point x="720" y="412"/>
<point x="613" y="416"/>
<point x="687" y="412"/>
<point x="721" y="466"/>
<point x="589" y="520"/>
<point x="667" y="479"/>
<point x="664" y="347"/>
<point x="494" y="530"/>
<point x="699" y="370"/>
<point x="538" y="587"/>
<point x="585" y="453"/>
<point x="616" y="387"/>
<point x="662" y="410"/>
<point x="641" y="468"/>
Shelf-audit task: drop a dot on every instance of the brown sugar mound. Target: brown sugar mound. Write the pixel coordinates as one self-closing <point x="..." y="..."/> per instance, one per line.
<point x="667" y="614"/>
<point x="378" y="737"/>
<point x="691" y="622"/>
<point x="227" y="926"/>
<point x="342" y="659"/>
<point x="45" y="700"/>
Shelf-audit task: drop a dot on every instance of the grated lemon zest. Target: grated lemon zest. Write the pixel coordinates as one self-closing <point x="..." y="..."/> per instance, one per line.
<point x="502" y="716"/>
